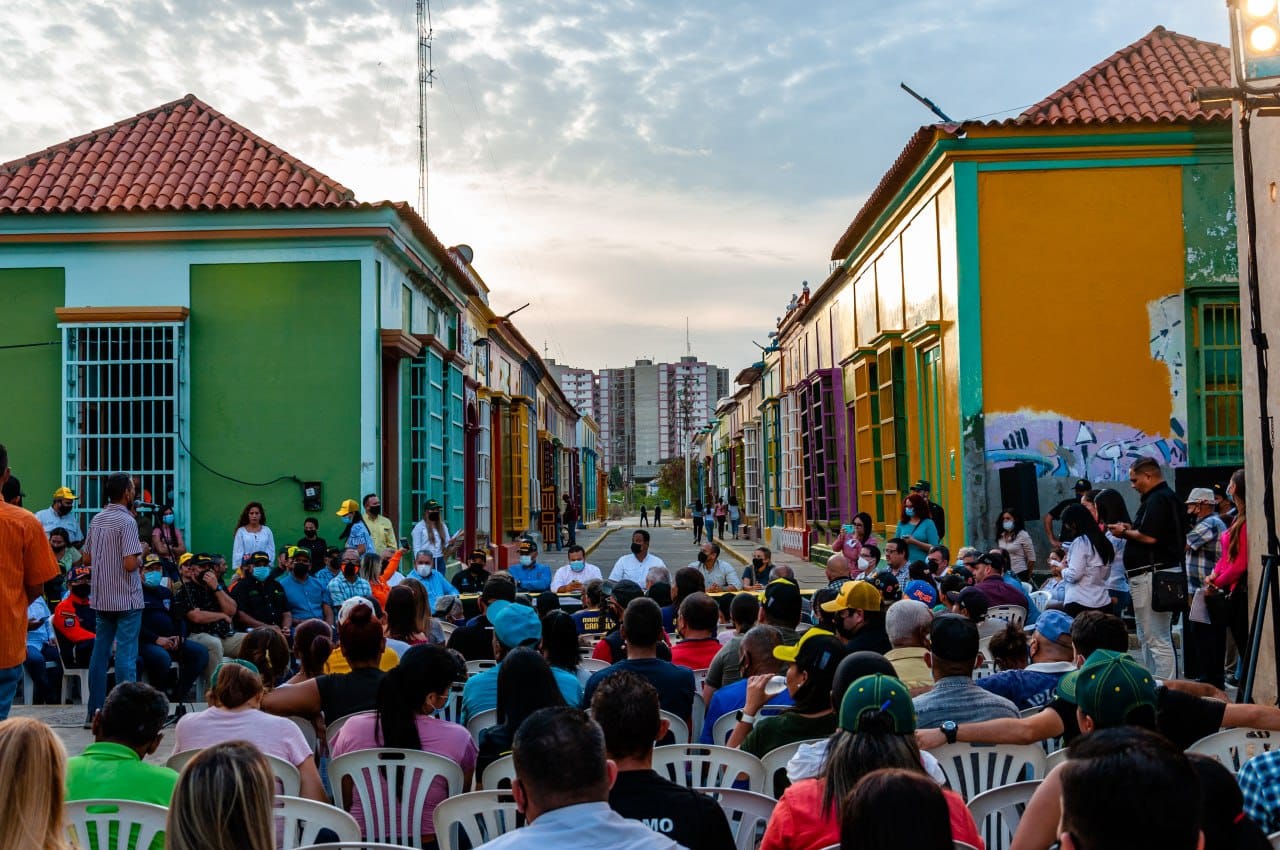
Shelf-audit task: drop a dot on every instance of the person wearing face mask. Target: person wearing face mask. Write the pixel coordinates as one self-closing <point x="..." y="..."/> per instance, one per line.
<point x="349" y="582"/>
<point x="635" y="566"/>
<point x="355" y="533"/>
<point x="67" y="557"/>
<point x="757" y="574"/>
<point x="471" y="578"/>
<point x="161" y="640"/>
<point x="529" y="575"/>
<point x="573" y="576"/>
<point x="382" y="529"/>
<point x="1012" y="537"/>
<point x="74" y="621"/>
<point x="59" y="515"/>
<point x="260" y="600"/>
<point x="916" y="528"/>
<point x="432" y="534"/>
<point x="166" y="538"/>
<point x="205" y="608"/>
<point x="716" y="574"/>
<point x="313" y="543"/>
<point x="306" y="595"/>
<point x="868" y="562"/>
<point x="426" y="574"/>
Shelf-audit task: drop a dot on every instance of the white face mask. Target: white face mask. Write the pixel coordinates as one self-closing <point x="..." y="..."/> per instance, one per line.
<point x="864" y="564"/>
<point x="424" y="570"/>
<point x="1008" y="525"/>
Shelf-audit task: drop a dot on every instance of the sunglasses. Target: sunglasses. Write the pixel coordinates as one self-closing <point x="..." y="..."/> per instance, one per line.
<point x="354" y="563"/>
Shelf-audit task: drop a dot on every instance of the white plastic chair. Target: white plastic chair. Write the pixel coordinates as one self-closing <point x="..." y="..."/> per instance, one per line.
<point x="593" y="665"/>
<point x="89" y="823"/>
<point x="722" y="728"/>
<point x="482" y="720"/>
<point x="983" y="670"/>
<point x="702" y="766"/>
<point x="300" y="820"/>
<point x="1234" y="747"/>
<point x="957" y="845"/>
<point x="81" y="675"/>
<point x="748" y="814"/>
<point x="503" y="769"/>
<point x="1040" y="598"/>
<point x="288" y="779"/>
<point x="331" y="729"/>
<point x="1274" y="838"/>
<point x="1054" y="759"/>
<point x="998" y="811"/>
<point x="679" y="729"/>
<point x="452" y="710"/>
<point x="973" y="768"/>
<point x="1050" y="745"/>
<point x="308" y="730"/>
<point x="392" y="786"/>
<point x="1015" y="614"/>
<point x="775" y="767"/>
<point x="474" y="667"/>
<point x="480" y="815"/>
<point x="699" y="714"/>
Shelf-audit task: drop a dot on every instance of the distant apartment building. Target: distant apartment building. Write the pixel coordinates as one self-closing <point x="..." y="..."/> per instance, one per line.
<point x="647" y="411"/>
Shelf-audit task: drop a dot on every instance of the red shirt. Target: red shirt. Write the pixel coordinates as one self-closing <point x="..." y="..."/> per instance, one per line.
<point x="696" y="653"/>
<point x="800" y="823"/>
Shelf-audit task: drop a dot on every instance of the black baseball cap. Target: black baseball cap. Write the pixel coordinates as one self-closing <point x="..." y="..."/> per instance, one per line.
<point x="1082" y="485"/>
<point x="920" y="486"/>
<point x="623" y="591"/>
<point x="972" y="600"/>
<point x="953" y="638"/>
<point x="782" y="599"/>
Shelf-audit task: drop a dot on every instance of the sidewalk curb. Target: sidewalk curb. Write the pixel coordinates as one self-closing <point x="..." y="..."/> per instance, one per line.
<point x="734" y="553"/>
<point x="595" y="544"/>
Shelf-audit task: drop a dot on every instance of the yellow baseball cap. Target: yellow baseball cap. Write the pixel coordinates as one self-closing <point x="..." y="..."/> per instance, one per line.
<point x="64" y="493"/>
<point x="350" y="506"/>
<point x="855" y="595"/>
<point x="186" y="556"/>
<point x="789" y="654"/>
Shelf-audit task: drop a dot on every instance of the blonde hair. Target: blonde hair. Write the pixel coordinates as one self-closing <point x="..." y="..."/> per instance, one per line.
<point x="223" y="801"/>
<point x="32" y="776"/>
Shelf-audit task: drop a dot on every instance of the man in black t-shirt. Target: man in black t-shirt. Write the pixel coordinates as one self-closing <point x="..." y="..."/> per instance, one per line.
<point x="475" y="639"/>
<point x="626" y="707"/>
<point x="1081" y="487"/>
<point x="260" y="599"/>
<point x="642" y="634"/>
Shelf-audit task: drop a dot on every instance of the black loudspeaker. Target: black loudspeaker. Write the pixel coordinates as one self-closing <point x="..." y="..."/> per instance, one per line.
<point x="1187" y="477"/>
<point x="1019" y="492"/>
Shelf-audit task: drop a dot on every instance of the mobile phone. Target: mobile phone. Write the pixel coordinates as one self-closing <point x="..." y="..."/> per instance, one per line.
<point x="404" y="542"/>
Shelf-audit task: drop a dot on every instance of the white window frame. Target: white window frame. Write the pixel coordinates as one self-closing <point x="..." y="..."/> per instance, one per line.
<point x="792" y="453"/>
<point x="751" y="467"/>
<point x="484" y="470"/>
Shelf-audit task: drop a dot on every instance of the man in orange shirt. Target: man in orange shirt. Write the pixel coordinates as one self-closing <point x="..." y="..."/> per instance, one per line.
<point x="26" y="563"/>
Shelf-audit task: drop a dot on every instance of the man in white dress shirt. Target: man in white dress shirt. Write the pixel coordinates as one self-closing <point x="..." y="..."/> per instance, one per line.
<point x="636" y="565"/>
<point x="573" y="577"/>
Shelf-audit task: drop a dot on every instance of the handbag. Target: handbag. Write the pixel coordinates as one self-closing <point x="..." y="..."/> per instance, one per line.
<point x="1169" y="590"/>
<point x="1219" y="606"/>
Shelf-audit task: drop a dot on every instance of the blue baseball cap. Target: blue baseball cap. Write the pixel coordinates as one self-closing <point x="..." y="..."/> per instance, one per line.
<point x="1053" y="625"/>
<point x="921" y="591"/>
<point x="515" y="625"/>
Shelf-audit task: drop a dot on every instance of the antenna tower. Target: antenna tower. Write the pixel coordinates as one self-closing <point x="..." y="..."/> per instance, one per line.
<point x="426" y="77"/>
<point x="688" y="345"/>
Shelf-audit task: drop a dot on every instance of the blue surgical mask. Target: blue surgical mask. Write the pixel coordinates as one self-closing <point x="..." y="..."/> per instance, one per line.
<point x="167" y="519"/>
<point x="577" y="566"/>
<point x="152" y="578"/>
<point x="526" y="560"/>
<point x="909" y="511"/>
<point x="346" y="520"/>
<point x="261" y="573"/>
<point x="1008" y="525"/>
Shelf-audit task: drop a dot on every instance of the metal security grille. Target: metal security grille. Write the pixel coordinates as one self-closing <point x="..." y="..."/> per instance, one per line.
<point x="1218" y="386"/>
<point x="123" y="401"/>
<point x="455" y="457"/>
<point x="484" y="475"/>
<point x="426" y="431"/>
<point x="792" y="452"/>
<point x="751" y="468"/>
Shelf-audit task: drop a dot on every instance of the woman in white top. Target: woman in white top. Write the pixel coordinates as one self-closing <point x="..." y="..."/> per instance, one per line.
<point x="431" y="534"/>
<point x="1012" y="537"/>
<point x="234" y="714"/>
<point x="252" y="535"/>
<point x="1089" y="559"/>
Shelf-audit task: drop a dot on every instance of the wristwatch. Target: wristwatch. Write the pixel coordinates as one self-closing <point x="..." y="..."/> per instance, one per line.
<point x="749" y="719"/>
<point x="949" y="728"/>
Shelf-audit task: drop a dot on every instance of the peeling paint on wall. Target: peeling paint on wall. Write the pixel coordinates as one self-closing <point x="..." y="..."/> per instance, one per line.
<point x="1167" y="317"/>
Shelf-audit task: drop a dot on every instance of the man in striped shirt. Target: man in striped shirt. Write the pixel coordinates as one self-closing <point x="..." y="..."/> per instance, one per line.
<point x="26" y="563"/>
<point x="113" y="550"/>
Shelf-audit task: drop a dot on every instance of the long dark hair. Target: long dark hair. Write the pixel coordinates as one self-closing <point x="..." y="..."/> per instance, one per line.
<point x="168" y="531"/>
<point x="356" y="518"/>
<point x="862" y="818"/>
<point x="1078" y="519"/>
<point x="1018" y="524"/>
<point x="244" y="515"/>
<point x="434" y="528"/>
<point x="1111" y="506"/>
<point x="401" y="609"/>
<point x="560" y="641"/>
<point x="525" y="684"/>
<point x="852" y="755"/>
<point x="920" y="509"/>
<point x="403" y="690"/>
<point x="865" y="518"/>
<point x="814" y="696"/>
<point x="313" y="644"/>
<point x="1236" y="532"/>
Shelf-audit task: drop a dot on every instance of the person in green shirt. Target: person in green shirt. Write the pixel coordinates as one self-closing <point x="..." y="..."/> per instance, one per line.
<point x="125" y="731"/>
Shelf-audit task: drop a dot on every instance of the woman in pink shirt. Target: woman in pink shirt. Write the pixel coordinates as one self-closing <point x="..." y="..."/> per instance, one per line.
<point x="853" y="537"/>
<point x="234" y="714"/>
<point x="408" y="697"/>
<point x="1230" y="576"/>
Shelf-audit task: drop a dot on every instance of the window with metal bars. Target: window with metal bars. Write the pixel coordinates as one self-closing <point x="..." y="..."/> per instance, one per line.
<point x="772" y="460"/>
<point x="455" y="450"/>
<point x="893" y="431"/>
<point x="751" y="468"/>
<point x="515" y="466"/>
<point x="123" y="398"/>
<point x="484" y="474"/>
<point x="820" y="399"/>
<point x="426" y="430"/>
<point x="1216" y="435"/>
<point x="792" y="452"/>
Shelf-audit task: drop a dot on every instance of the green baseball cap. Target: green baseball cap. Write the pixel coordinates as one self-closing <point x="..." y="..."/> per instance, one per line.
<point x="1109" y="688"/>
<point x="875" y="696"/>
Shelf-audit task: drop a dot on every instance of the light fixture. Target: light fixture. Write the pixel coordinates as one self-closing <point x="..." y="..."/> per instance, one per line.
<point x="1259" y="8"/>
<point x="480" y="342"/>
<point x="1256" y="37"/>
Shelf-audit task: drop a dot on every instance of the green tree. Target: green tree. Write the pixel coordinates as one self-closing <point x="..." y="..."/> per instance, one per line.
<point x="615" y="478"/>
<point x="671" y="483"/>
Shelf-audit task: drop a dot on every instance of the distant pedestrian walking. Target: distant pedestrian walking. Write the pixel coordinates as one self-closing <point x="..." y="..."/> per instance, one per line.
<point x="644" y="515"/>
<point x="695" y="513"/>
<point x="721" y="516"/>
<point x="709" y="521"/>
<point x="657" y="516"/>
<point x="735" y="517"/>
<point x="570" y="518"/>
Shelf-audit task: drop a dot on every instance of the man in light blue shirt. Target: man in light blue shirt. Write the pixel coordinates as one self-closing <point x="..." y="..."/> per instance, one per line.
<point x="426" y="574"/>
<point x="716" y="574"/>
<point x="562" y="789"/>
<point x="307" y="595"/>
<point x="514" y="625"/>
<point x="529" y="575"/>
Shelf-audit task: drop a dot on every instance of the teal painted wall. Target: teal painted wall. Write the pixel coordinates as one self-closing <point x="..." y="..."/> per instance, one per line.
<point x="275" y="387"/>
<point x="1209" y="225"/>
<point x="31" y="427"/>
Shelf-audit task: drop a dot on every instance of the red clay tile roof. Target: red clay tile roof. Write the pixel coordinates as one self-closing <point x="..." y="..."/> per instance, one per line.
<point x="183" y="155"/>
<point x="1151" y="81"/>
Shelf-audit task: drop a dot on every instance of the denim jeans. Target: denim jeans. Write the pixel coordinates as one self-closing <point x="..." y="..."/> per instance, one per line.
<point x="120" y="628"/>
<point x="46" y="682"/>
<point x="192" y="659"/>
<point x="1153" y="630"/>
<point x="10" y="678"/>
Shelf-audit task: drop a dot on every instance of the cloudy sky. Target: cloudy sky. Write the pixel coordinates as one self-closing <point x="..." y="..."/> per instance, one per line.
<point x="620" y="164"/>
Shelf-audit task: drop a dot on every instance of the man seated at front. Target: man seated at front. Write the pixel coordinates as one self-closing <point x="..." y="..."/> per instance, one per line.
<point x="755" y="658"/>
<point x="162" y="638"/>
<point x="956" y="698"/>
<point x="260" y="600"/>
<point x="475" y="639"/>
<point x="74" y="620"/>
<point x="42" y="651"/>
<point x="592" y="618"/>
<point x="696" y="623"/>
<point x="562" y="788"/>
<point x="306" y="593"/>
<point x="514" y="625"/>
<point x="1052" y="657"/>
<point x="473" y="575"/>
<point x="641" y="633"/>
<point x="529" y="575"/>
<point x="635" y="565"/>
<point x="716" y="574"/>
<point x="573" y="576"/>
<point x="208" y="609"/>
<point x="125" y="731"/>
<point x="626" y="707"/>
